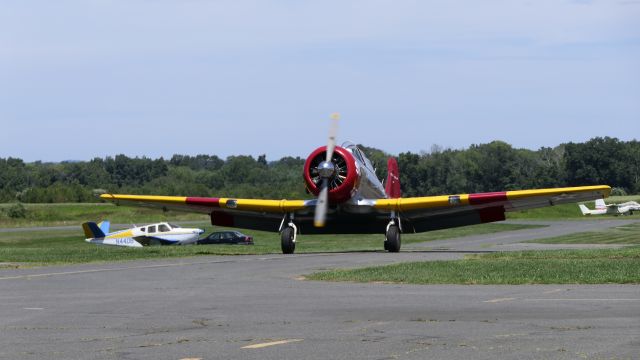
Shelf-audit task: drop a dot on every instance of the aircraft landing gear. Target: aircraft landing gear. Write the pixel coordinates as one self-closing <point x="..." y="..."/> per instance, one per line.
<point x="288" y="240"/>
<point x="392" y="237"/>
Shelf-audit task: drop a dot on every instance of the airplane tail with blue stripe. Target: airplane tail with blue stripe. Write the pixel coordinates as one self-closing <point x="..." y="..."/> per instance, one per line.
<point x="104" y="226"/>
<point x="93" y="230"/>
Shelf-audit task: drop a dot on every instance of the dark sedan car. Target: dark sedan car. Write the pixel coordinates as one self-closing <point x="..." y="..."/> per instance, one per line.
<point x="226" y="237"/>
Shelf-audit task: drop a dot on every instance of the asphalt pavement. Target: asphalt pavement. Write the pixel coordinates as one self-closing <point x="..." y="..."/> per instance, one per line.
<point x="260" y="307"/>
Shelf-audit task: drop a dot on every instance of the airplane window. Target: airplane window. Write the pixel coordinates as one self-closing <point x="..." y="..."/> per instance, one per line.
<point x="365" y="161"/>
<point x="368" y="163"/>
<point x="364" y="157"/>
<point x="152" y="229"/>
<point x="143" y="229"/>
<point x="358" y="155"/>
<point x="163" y="228"/>
<point x="174" y="226"/>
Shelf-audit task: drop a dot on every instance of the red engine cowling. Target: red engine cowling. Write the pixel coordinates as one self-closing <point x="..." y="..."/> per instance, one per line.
<point x="344" y="180"/>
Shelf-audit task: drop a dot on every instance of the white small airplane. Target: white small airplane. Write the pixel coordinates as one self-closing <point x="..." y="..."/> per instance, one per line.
<point x="626" y="208"/>
<point x="154" y="234"/>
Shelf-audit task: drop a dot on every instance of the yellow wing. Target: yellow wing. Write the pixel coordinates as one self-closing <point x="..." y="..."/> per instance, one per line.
<point x="439" y="212"/>
<point x="365" y="216"/>
<point x="253" y="214"/>
<point x="206" y="204"/>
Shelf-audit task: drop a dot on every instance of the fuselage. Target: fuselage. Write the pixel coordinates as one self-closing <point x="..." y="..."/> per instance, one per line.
<point x="355" y="178"/>
<point x="627" y="207"/>
<point x="368" y="186"/>
<point x="153" y="234"/>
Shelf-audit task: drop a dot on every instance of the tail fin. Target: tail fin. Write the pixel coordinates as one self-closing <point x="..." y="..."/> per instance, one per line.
<point x="92" y="230"/>
<point x="585" y="210"/>
<point x="392" y="187"/>
<point x="600" y="204"/>
<point x="104" y="226"/>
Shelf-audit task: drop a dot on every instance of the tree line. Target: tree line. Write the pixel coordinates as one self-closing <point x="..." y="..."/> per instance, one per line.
<point x="480" y="168"/>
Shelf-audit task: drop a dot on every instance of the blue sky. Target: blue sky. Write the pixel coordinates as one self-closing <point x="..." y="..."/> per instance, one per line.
<point x="80" y="79"/>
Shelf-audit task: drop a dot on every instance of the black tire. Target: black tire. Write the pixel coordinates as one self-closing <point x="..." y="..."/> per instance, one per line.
<point x="392" y="244"/>
<point x="286" y="240"/>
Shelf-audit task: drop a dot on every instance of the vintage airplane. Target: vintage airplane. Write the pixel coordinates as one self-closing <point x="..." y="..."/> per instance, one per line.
<point x="351" y="200"/>
<point x="137" y="236"/>
<point x="626" y="208"/>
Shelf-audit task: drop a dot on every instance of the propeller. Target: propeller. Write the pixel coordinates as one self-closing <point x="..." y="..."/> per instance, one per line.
<point x="326" y="170"/>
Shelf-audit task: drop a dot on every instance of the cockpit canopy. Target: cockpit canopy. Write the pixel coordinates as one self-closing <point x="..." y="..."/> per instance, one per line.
<point x="358" y="154"/>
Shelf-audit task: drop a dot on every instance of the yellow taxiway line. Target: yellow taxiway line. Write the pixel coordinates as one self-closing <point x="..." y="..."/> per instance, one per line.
<point x="273" y="343"/>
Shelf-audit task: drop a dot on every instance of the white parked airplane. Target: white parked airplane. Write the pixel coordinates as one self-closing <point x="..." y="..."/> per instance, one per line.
<point x="626" y="208"/>
<point x="137" y="236"/>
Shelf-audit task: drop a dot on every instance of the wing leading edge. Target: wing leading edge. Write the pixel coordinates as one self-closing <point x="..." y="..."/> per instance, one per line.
<point x="207" y="204"/>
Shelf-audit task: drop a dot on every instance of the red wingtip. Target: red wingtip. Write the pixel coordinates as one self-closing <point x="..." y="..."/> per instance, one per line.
<point x="392" y="187"/>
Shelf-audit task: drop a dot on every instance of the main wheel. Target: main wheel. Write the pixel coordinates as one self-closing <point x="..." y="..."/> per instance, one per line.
<point x="392" y="243"/>
<point x="286" y="240"/>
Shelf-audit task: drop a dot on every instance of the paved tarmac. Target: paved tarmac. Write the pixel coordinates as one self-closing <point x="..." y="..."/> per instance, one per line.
<point x="257" y="307"/>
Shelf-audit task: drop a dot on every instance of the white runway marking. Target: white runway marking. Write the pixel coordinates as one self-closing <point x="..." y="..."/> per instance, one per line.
<point x="581" y="300"/>
<point x="499" y="300"/>
<point x="553" y="291"/>
<point x="493" y="301"/>
<point x="273" y="343"/>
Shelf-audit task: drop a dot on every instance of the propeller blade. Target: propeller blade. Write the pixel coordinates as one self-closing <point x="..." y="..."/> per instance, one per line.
<point x="333" y="132"/>
<point x="323" y="198"/>
<point x="321" y="205"/>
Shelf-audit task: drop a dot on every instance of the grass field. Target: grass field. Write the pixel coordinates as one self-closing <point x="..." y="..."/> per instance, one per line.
<point x="34" y="248"/>
<point x="75" y="214"/>
<point x="619" y="266"/>
<point x="597" y="266"/>
<point x="68" y="246"/>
